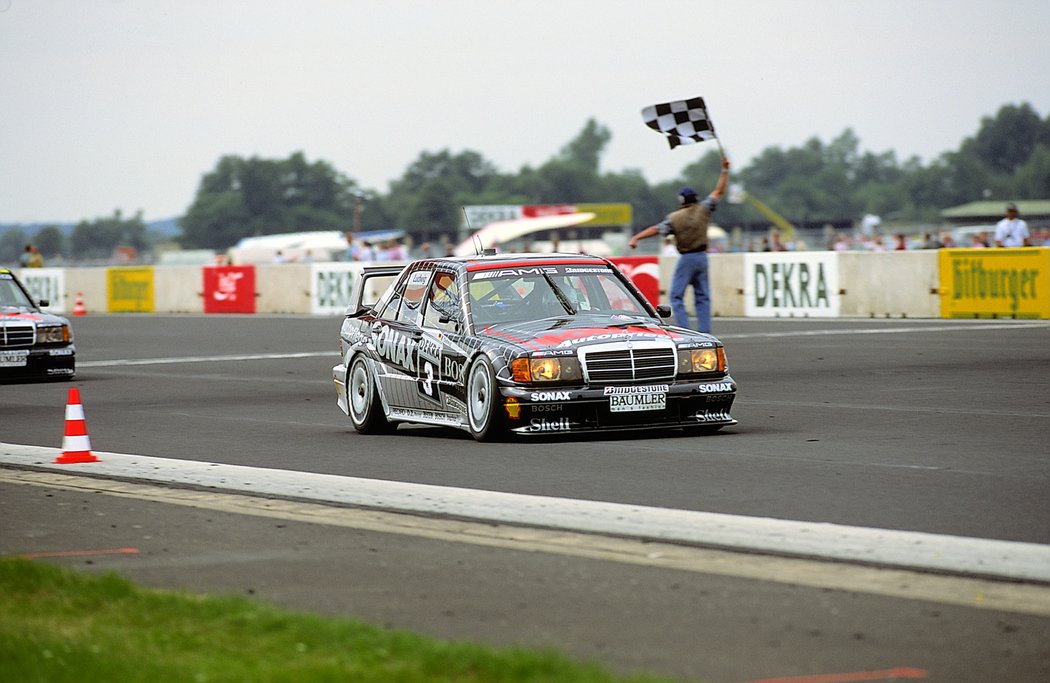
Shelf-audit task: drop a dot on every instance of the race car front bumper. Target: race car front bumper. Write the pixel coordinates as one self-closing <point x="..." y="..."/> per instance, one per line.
<point x="611" y="408"/>
<point x="46" y="362"/>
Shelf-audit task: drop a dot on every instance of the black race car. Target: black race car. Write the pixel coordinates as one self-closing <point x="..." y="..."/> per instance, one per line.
<point x="33" y="343"/>
<point x="526" y="344"/>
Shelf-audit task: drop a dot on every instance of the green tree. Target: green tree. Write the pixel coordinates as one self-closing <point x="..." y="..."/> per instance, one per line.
<point x="1004" y="143"/>
<point x="425" y="201"/>
<point x="12" y="244"/>
<point x="246" y="197"/>
<point x="98" y="238"/>
<point x="1033" y="179"/>
<point x="51" y="241"/>
<point x="587" y="147"/>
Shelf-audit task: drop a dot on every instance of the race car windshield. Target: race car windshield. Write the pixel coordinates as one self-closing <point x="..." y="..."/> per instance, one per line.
<point x="517" y="295"/>
<point x="11" y="295"/>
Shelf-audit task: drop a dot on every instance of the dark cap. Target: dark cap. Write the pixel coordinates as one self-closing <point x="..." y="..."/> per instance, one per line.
<point x="687" y="192"/>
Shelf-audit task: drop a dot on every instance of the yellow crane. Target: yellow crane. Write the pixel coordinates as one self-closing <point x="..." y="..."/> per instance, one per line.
<point x="786" y="228"/>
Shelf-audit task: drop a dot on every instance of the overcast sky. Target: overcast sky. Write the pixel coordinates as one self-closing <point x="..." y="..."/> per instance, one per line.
<point x="125" y="104"/>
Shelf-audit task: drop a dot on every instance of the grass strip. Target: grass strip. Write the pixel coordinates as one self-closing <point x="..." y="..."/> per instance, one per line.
<point x="59" y="625"/>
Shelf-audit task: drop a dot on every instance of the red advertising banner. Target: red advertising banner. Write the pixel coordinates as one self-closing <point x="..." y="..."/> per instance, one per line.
<point x="644" y="272"/>
<point x="229" y="289"/>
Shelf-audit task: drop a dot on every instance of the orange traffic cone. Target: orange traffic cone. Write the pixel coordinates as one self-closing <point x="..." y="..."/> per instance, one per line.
<point x="76" y="446"/>
<point x="78" y="305"/>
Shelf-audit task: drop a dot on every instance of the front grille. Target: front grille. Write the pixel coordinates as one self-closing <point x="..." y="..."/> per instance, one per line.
<point x="618" y="363"/>
<point x="17" y="336"/>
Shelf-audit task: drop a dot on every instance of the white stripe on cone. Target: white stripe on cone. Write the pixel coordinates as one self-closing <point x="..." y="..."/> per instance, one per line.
<point x="76" y="444"/>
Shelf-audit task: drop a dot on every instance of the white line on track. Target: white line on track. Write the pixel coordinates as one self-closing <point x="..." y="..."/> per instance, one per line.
<point x="888" y="330"/>
<point x="202" y="359"/>
<point x="893" y="329"/>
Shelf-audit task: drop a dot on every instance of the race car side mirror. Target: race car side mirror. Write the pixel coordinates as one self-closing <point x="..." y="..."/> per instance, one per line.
<point x="663" y="310"/>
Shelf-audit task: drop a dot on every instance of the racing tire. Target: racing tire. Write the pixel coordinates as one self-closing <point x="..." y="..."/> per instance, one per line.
<point x="362" y="398"/>
<point x="483" y="401"/>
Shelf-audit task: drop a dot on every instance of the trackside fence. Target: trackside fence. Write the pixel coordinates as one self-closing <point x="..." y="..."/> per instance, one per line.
<point x="945" y="283"/>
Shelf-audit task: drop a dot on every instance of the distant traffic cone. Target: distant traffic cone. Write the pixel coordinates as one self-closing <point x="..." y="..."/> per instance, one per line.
<point x="78" y="305"/>
<point x="76" y="446"/>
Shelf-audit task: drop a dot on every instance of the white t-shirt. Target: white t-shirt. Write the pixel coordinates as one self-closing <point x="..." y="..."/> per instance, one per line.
<point x="1011" y="233"/>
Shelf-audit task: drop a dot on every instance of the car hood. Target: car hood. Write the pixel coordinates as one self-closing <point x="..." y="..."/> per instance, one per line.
<point x="571" y="332"/>
<point x="9" y="313"/>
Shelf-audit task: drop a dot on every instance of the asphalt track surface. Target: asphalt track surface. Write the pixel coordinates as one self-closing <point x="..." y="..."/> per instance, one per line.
<point x="925" y="426"/>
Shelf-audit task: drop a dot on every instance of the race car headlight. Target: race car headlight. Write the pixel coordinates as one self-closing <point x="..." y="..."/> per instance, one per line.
<point x="56" y="334"/>
<point x="546" y="370"/>
<point x="701" y="361"/>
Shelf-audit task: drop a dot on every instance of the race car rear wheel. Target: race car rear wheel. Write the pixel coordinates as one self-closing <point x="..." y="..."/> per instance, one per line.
<point x="483" y="401"/>
<point x="366" y="409"/>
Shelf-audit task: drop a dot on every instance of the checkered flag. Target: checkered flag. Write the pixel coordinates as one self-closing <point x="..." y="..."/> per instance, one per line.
<point x="682" y="121"/>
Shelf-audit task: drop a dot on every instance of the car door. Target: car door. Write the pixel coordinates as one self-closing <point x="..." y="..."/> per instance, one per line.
<point x="443" y="334"/>
<point x="394" y="336"/>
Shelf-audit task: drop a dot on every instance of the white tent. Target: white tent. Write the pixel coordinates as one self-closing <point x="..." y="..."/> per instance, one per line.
<point x="502" y="232"/>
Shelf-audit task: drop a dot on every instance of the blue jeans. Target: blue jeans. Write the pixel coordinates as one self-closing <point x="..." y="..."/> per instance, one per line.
<point x="691" y="270"/>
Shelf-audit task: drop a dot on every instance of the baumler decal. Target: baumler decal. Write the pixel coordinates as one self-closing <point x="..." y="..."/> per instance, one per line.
<point x="791" y="284"/>
<point x="626" y="403"/>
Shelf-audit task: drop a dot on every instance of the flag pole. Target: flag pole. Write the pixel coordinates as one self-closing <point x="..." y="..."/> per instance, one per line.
<point x="714" y="132"/>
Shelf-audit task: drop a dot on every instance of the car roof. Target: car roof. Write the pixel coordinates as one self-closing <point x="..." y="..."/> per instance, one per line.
<point x="486" y="261"/>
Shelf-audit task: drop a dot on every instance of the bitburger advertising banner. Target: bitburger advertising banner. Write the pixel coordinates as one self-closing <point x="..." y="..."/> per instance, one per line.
<point x="791" y="284"/>
<point x="995" y="283"/>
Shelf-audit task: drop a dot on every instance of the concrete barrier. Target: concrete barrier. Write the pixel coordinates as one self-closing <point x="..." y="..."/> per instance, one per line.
<point x="889" y="284"/>
<point x="282" y="288"/>
<point x="898" y="284"/>
<point x="177" y="289"/>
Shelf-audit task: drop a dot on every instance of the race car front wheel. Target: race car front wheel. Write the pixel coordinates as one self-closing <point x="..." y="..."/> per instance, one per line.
<point x="482" y="401"/>
<point x="366" y="409"/>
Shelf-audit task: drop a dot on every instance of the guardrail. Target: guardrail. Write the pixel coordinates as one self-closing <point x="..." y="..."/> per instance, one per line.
<point x="945" y="283"/>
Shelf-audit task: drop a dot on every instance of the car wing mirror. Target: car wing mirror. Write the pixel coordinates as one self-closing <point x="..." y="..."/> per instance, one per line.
<point x="445" y="319"/>
<point x="663" y="310"/>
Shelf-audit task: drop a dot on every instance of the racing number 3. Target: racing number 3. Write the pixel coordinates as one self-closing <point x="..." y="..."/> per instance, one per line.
<point x="427" y="384"/>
